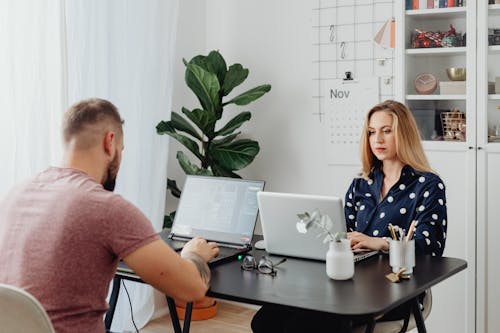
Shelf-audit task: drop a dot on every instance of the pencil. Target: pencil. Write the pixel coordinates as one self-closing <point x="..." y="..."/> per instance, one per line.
<point x="411" y="230"/>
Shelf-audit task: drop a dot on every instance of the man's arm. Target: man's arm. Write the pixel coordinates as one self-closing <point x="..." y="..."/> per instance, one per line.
<point x="161" y="267"/>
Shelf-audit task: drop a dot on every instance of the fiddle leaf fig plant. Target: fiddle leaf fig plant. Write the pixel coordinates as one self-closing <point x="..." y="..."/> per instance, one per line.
<point x="216" y="146"/>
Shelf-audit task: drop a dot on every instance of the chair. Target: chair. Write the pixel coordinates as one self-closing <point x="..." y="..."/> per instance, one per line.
<point x="21" y="312"/>
<point x="397" y="326"/>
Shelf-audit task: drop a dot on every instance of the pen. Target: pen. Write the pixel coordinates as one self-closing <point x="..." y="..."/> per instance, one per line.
<point x="401" y="234"/>
<point x="411" y="230"/>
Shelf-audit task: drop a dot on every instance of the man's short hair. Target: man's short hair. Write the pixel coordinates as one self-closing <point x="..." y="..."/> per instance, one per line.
<point x="89" y="118"/>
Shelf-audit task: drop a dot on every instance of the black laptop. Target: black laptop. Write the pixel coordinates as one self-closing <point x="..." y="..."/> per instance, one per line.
<point x="219" y="209"/>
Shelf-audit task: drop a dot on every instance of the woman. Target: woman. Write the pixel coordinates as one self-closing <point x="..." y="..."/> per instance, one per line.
<point x="396" y="186"/>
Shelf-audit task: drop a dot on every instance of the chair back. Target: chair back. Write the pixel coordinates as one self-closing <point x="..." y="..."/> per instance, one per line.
<point x="398" y="326"/>
<point x="20" y="312"/>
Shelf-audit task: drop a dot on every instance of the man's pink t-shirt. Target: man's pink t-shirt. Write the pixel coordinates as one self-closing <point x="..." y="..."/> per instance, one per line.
<point x="61" y="237"/>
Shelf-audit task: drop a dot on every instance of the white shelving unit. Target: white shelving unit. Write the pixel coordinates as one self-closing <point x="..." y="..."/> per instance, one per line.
<point x="455" y="161"/>
<point x="488" y="177"/>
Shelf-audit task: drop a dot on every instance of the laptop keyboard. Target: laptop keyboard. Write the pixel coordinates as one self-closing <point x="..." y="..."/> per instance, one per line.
<point x="177" y="245"/>
<point x="223" y="250"/>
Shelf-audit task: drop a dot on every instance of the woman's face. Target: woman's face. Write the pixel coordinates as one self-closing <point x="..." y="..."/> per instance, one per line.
<point x="381" y="136"/>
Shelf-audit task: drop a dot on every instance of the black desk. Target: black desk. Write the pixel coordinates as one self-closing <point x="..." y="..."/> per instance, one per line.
<point x="304" y="284"/>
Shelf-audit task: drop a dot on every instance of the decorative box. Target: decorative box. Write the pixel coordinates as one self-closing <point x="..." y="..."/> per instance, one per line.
<point x="452" y="87"/>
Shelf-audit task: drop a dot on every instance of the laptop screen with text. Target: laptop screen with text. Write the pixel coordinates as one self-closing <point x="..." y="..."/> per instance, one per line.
<point x="218" y="208"/>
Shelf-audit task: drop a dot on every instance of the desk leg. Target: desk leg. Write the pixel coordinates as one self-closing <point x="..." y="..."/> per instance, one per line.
<point x="173" y="315"/>
<point x="113" y="299"/>
<point x="370" y="326"/>
<point x="175" y="318"/>
<point x="419" y="320"/>
<point x="187" y="317"/>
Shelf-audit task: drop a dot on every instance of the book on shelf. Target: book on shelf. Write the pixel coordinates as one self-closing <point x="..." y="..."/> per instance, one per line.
<point x="409" y="4"/>
<point x="414" y="4"/>
<point x="451" y="3"/>
<point x="436" y="3"/>
<point x="422" y="4"/>
<point x="443" y="3"/>
<point x="430" y="4"/>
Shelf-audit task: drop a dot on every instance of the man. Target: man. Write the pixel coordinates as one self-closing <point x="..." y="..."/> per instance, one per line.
<point x="63" y="232"/>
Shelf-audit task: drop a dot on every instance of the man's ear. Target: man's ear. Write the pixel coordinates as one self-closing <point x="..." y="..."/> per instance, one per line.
<point x="109" y="144"/>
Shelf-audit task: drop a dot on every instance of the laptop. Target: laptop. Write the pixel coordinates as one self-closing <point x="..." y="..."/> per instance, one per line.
<point x="278" y="217"/>
<point x="219" y="209"/>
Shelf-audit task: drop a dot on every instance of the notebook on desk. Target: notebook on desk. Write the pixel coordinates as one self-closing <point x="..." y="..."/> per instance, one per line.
<point x="278" y="217"/>
<point x="219" y="209"/>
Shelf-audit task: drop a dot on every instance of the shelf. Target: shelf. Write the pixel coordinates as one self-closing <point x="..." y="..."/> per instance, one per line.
<point x="494" y="9"/>
<point x="494" y="96"/>
<point x="494" y="49"/>
<point x="445" y="145"/>
<point x="435" y="97"/>
<point x="453" y="12"/>
<point x="437" y="51"/>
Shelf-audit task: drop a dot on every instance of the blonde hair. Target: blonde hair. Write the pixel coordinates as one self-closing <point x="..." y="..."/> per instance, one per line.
<point x="409" y="148"/>
<point x="88" y="119"/>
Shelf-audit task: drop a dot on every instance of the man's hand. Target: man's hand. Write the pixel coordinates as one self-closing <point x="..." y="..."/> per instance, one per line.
<point x="206" y="250"/>
<point x="362" y="241"/>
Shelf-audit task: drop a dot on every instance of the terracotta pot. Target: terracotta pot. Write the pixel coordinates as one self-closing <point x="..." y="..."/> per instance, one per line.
<point x="203" y="309"/>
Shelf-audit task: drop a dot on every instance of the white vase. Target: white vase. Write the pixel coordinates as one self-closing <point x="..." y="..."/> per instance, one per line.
<point x="340" y="260"/>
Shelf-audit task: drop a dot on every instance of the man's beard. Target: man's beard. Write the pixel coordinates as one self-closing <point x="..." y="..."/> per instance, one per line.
<point x="110" y="182"/>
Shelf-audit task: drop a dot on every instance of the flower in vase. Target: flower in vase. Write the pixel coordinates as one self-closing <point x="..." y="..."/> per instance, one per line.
<point x="319" y="221"/>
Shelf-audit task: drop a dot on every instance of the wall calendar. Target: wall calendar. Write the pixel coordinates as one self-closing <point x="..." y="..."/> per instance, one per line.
<point x="344" y="105"/>
<point x="343" y="32"/>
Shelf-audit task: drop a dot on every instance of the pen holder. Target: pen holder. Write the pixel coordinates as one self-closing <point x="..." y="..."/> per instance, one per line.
<point x="402" y="255"/>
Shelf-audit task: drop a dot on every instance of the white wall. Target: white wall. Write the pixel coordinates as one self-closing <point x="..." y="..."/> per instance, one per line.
<point x="274" y="40"/>
<point x="191" y="41"/>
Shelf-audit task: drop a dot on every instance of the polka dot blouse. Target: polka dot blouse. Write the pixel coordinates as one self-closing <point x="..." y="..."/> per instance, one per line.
<point x="416" y="196"/>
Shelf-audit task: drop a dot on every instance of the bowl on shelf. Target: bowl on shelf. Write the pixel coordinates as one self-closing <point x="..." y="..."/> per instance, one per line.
<point x="456" y="73"/>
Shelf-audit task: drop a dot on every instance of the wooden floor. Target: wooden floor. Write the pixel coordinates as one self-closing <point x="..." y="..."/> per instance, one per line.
<point x="230" y="318"/>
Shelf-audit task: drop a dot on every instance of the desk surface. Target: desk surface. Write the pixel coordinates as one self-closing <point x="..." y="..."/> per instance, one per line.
<point x="304" y="284"/>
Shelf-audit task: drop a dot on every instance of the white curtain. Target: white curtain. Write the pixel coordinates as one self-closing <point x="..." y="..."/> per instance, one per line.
<point x="55" y="53"/>
<point x="32" y="94"/>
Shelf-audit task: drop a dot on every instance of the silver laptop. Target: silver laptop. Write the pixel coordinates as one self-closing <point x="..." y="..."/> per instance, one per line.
<point x="218" y="209"/>
<point x="278" y="217"/>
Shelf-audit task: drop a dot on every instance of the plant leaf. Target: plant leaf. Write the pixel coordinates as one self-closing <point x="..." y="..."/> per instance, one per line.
<point x="205" y="120"/>
<point x="235" y="155"/>
<point x="168" y="220"/>
<point x="250" y="95"/>
<point x="235" y="75"/>
<point x="182" y="125"/>
<point x="165" y="127"/>
<point x="226" y="139"/>
<point x="222" y="172"/>
<point x="205" y="86"/>
<point x="216" y="64"/>
<point x="234" y="123"/>
<point x="190" y="168"/>
<point x="199" y="60"/>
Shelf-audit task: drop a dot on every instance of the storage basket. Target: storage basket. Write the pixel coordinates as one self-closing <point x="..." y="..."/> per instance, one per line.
<point x="453" y="123"/>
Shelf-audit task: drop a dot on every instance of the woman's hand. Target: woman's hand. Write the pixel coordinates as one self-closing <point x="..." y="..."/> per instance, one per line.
<point x="362" y="241"/>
